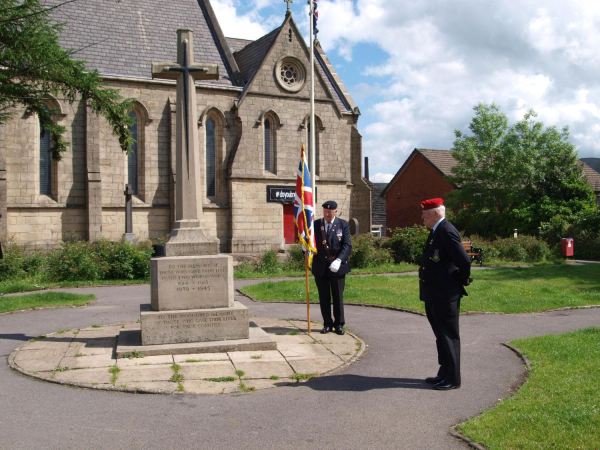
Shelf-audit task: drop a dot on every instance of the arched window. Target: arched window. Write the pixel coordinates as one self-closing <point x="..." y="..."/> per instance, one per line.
<point x="211" y="159"/>
<point x="316" y="148"/>
<point x="132" y="158"/>
<point x="45" y="161"/>
<point x="269" y="146"/>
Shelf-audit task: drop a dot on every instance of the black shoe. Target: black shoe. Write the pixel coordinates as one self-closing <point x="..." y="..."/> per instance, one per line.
<point x="434" y="380"/>
<point x="339" y="330"/>
<point x="445" y="386"/>
<point x="325" y="330"/>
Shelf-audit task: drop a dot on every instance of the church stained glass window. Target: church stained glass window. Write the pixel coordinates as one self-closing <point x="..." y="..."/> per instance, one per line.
<point x="269" y="147"/>
<point x="132" y="158"/>
<point x="45" y="162"/>
<point x="211" y="160"/>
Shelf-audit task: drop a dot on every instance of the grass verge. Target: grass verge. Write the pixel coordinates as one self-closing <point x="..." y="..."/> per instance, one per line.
<point x="385" y="268"/>
<point x="31" y="284"/>
<point x="505" y="290"/>
<point x="559" y="404"/>
<point x="45" y="299"/>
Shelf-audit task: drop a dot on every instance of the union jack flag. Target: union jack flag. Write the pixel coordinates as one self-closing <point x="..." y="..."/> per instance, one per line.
<point x="304" y="209"/>
<point x="315" y="16"/>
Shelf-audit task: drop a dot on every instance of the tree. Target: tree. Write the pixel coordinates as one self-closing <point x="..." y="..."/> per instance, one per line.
<point x="515" y="177"/>
<point x="33" y="65"/>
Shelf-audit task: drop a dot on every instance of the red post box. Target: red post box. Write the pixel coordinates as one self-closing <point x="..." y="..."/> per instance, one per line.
<point x="566" y="246"/>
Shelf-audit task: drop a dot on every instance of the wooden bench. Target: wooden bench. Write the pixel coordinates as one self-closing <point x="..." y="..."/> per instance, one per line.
<point x="475" y="254"/>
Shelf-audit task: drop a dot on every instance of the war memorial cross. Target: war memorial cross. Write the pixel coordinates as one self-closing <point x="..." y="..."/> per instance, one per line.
<point x="186" y="71"/>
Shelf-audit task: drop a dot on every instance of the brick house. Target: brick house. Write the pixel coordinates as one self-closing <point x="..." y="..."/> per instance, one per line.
<point x="252" y="123"/>
<point x="422" y="176"/>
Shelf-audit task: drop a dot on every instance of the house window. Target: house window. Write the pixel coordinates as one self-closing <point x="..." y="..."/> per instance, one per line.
<point x="211" y="160"/>
<point x="269" y="146"/>
<point x="376" y="230"/>
<point x="45" y="162"/>
<point x="132" y="157"/>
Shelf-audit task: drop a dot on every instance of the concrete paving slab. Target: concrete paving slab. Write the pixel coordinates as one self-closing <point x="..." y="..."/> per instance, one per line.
<point x="271" y="322"/>
<point x="131" y="340"/>
<point x="91" y="377"/>
<point x="210" y="387"/>
<point x="302" y="325"/>
<point x="50" y="344"/>
<point x="94" y="348"/>
<point x="245" y="357"/>
<point x="266" y="369"/>
<point x="145" y="361"/>
<point x="38" y="360"/>
<point x="344" y="351"/>
<point x="315" y="365"/>
<point x="103" y="360"/>
<point x="200" y="357"/>
<point x="153" y="386"/>
<point x="203" y="370"/>
<point x="144" y="373"/>
<point x="80" y="348"/>
<point x="303" y="351"/>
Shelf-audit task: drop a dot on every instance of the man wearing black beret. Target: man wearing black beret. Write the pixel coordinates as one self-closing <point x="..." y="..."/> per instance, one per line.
<point x="444" y="271"/>
<point x="330" y="266"/>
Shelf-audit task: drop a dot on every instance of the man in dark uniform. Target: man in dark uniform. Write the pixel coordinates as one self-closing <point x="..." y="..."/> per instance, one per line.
<point x="444" y="271"/>
<point x="330" y="266"/>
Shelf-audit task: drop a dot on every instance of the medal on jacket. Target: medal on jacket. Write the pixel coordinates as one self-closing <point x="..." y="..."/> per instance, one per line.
<point x="436" y="256"/>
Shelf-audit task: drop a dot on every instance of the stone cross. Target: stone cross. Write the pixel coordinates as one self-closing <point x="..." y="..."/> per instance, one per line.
<point x="128" y="209"/>
<point x="288" y="3"/>
<point x="188" y="205"/>
<point x="129" y="236"/>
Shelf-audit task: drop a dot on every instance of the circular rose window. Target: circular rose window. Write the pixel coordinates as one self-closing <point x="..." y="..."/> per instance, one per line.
<point x="290" y="74"/>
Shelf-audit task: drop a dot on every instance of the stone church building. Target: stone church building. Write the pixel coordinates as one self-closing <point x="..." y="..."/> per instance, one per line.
<point x="252" y="123"/>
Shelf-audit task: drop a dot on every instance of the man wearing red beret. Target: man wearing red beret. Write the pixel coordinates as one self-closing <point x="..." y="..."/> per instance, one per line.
<point x="444" y="271"/>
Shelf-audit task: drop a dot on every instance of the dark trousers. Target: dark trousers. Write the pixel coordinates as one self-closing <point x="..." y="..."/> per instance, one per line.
<point x="443" y="318"/>
<point x="331" y="290"/>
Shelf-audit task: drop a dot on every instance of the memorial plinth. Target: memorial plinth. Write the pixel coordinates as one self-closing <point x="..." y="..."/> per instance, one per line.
<point x="192" y="303"/>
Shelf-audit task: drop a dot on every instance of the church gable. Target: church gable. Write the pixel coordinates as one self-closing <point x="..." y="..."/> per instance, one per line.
<point x="284" y="69"/>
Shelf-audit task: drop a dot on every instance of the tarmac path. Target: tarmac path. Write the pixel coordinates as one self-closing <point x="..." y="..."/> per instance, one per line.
<point x="379" y="402"/>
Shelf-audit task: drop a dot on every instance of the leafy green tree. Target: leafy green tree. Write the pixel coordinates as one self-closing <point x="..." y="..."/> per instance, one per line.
<point x="514" y="177"/>
<point x="33" y="65"/>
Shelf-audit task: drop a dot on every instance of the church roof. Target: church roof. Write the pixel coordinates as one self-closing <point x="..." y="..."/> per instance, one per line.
<point x="251" y="57"/>
<point x="123" y="38"/>
<point x="236" y="44"/>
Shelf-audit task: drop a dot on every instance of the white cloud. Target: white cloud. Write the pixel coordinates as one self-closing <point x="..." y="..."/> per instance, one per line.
<point x="245" y="26"/>
<point x="445" y="57"/>
<point x="381" y="178"/>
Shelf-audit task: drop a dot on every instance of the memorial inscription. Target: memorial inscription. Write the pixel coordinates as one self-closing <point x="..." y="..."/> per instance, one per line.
<point x="191" y="282"/>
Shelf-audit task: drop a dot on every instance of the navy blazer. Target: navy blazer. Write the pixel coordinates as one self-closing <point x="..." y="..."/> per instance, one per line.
<point x="340" y="247"/>
<point x="445" y="266"/>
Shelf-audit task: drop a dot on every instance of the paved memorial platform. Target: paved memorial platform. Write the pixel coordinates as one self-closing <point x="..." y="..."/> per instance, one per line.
<point x="87" y="357"/>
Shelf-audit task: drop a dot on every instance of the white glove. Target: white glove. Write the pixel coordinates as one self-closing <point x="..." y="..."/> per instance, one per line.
<point x="335" y="266"/>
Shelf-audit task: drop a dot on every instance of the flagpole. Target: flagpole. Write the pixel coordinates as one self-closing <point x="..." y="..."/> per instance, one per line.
<point x="312" y="101"/>
<point x="307" y="295"/>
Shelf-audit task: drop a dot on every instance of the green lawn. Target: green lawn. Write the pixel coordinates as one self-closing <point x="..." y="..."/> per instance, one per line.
<point x="16" y="302"/>
<point x="31" y="284"/>
<point x="559" y="404"/>
<point x="384" y="268"/>
<point x="507" y="290"/>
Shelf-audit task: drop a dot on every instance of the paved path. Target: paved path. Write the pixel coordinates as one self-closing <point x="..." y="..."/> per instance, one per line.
<point x="379" y="402"/>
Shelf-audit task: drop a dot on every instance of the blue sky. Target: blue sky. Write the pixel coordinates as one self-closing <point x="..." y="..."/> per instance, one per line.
<point x="416" y="69"/>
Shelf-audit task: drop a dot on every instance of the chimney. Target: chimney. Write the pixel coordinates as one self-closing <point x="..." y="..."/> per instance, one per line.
<point x="367" y="168"/>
